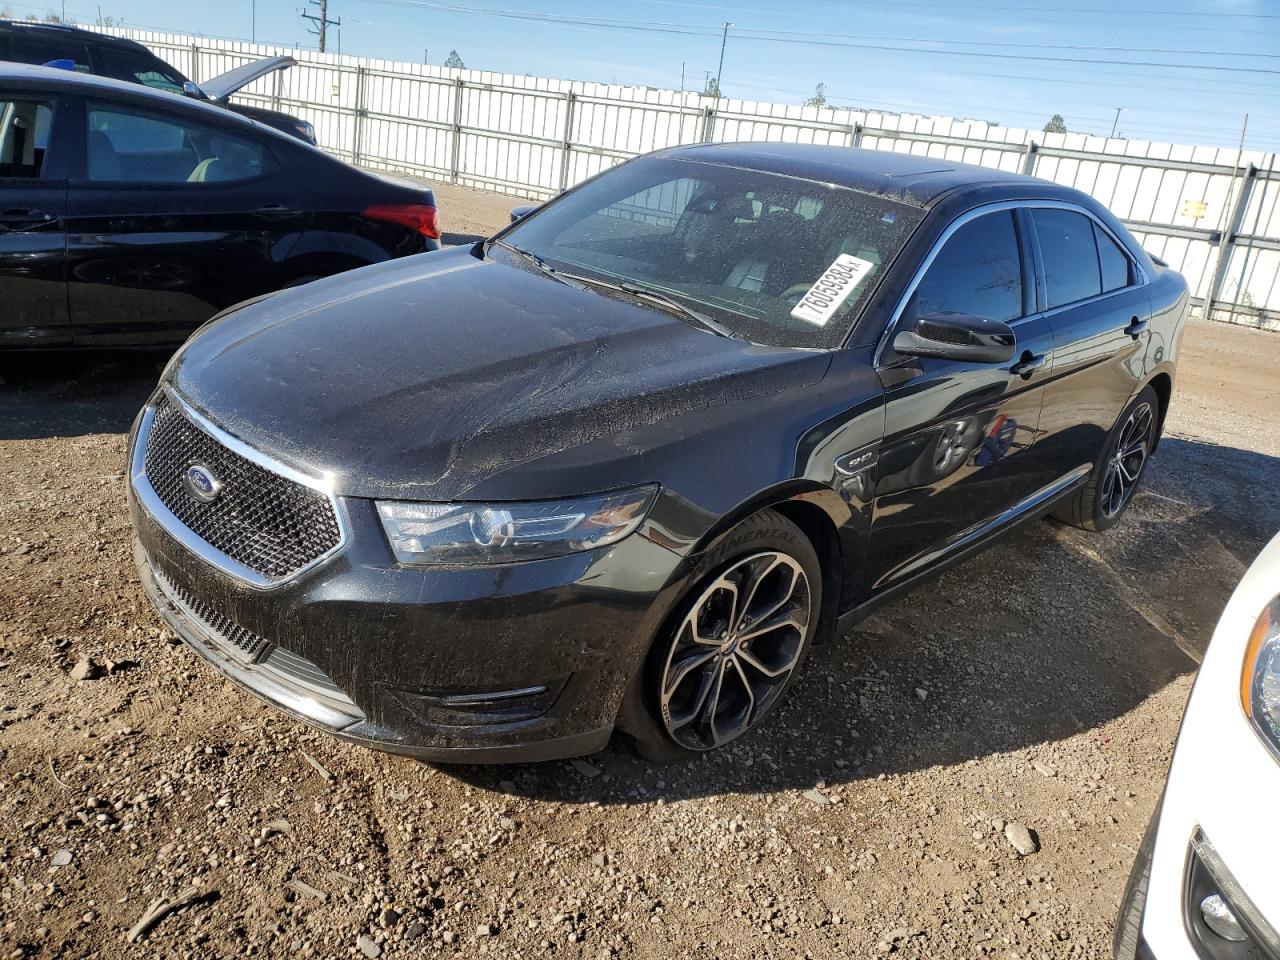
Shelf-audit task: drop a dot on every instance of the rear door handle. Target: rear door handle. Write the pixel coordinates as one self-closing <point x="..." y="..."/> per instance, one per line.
<point x="1028" y="364"/>
<point x="275" y="210"/>
<point x="1136" y="327"/>
<point x="23" y="215"/>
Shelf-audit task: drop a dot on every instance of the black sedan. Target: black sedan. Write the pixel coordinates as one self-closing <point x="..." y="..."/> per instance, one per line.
<point x="119" y="58"/>
<point x="620" y="466"/>
<point x="128" y="216"/>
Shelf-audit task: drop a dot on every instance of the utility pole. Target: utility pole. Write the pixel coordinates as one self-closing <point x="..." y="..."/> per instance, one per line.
<point x="253" y="20"/>
<point x="682" y="78"/>
<point x="1116" y="121"/>
<point x="321" y="21"/>
<point x="724" y="38"/>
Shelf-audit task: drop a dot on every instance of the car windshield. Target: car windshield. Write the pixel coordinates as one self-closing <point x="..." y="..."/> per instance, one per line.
<point x="771" y="259"/>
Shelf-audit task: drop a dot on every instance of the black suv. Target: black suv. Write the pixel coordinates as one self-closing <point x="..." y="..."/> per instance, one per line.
<point x="121" y="59"/>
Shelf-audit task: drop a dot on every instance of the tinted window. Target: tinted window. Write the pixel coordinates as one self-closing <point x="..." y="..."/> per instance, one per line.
<point x="29" y="49"/>
<point x="977" y="272"/>
<point x="1115" y="263"/>
<point x="138" y="67"/>
<point x="138" y="148"/>
<point x="776" y="260"/>
<point x="24" y="136"/>
<point x="1070" y="255"/>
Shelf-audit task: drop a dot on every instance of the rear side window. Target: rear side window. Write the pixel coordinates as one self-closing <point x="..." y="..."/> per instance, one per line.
<point x="24" y="136"/>
<point x="137" y="67"/>
<point x="1070" y="255"/>
<point x="128" y="147"/>
<point x="1117" y="272"/>
<point x="977" y="272"/>
<point x="29" y="49"/>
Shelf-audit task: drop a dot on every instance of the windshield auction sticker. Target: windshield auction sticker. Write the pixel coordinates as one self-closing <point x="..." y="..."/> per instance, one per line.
<point x="832" y="289"/>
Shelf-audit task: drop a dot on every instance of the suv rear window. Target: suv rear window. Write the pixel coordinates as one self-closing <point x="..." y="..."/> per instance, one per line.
<point x="26" y="48"/>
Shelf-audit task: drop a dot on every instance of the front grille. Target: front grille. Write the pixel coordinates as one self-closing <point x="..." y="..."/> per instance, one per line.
<point x="231" y="638"/>
<point x="255" y="654"/>
<point x="271" y="524"/>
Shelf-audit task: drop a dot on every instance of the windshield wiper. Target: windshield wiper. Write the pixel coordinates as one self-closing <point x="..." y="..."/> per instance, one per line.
<point x="536" y="260"/>
<point x="662" y="299"/>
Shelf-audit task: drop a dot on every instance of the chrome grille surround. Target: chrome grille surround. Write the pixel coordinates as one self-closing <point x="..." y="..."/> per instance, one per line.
<point x="270" y="524"/>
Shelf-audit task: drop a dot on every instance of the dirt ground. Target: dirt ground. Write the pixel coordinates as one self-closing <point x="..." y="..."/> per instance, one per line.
<point x="1040" y="683"/>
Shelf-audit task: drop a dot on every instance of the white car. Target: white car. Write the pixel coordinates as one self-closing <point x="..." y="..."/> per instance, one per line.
<point x="1205" y="886"/>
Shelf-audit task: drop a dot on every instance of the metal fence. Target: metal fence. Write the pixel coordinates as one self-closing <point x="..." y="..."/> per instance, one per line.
<point x="1213" y="213"/>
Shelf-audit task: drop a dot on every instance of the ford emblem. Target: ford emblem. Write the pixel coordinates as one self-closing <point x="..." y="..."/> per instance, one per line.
<point x="201" y="483"/>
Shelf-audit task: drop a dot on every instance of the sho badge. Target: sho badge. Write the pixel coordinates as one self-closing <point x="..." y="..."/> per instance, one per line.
<point x="201" y="483"/>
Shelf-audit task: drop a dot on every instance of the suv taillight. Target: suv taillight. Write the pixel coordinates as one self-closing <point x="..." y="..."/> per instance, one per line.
<point x="415" y="216"/>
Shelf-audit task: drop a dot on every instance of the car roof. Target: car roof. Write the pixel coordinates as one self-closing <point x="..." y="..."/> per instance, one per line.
<point x="900" y="176"/>
<point x="65" y="29"/>
<point x="54" y="80"/>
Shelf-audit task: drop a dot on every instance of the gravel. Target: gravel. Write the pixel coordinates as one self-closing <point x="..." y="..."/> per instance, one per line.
<point x="1072" y="653"/>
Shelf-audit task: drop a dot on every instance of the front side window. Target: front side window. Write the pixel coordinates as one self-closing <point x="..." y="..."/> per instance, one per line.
<point x="978" y="272"/>
<point x="128" y="147"/>
<point x="1070" y="255"/>
<point x="136" y="67"/>
<point x="773" y="259"/>
<point x="24" y="136"/>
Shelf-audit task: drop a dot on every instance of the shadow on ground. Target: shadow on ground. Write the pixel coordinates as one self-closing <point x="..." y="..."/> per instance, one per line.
<point x="75" y="394"/>
<point x="1051" y="633"/>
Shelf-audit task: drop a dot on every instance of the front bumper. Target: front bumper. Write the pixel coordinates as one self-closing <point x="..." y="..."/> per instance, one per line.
<point x="512" y="663"/>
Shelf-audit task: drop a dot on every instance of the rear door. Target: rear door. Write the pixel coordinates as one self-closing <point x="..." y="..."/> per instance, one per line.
<point x="33" y="191"/>
<point x="1099" y="310"/>
<point x="959" y="452"/>
<point x="169" y="220"/>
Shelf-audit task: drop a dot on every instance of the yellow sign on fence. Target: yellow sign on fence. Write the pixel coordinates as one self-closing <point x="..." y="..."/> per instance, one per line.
<point x="1194" y="209"/>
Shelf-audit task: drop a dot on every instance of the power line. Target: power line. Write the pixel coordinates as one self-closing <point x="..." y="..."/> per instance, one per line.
<point x="812" y="39"/>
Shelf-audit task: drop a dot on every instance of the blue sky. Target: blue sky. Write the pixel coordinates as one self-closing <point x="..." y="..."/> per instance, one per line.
<point x="975" y="59"/>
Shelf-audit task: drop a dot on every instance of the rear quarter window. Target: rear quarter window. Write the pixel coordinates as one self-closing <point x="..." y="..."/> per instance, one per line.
<point x="1070" y="255"/>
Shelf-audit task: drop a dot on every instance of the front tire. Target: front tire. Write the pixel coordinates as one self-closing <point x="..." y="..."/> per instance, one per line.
<point x="1103" y="500"/>
<point x="738" y="637"/>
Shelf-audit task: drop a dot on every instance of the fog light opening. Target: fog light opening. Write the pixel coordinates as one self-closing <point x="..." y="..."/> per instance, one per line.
<point x="1219" y="918"/>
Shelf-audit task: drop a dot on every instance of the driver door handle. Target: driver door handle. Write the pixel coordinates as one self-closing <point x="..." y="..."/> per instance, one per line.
<point x="1028" y="364"/>
<point x="1136" y="327"/>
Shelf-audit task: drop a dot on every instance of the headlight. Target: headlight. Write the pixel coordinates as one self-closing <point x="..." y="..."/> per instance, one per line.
<point x="452" y="533"/>
<point x="1260" y="678"/>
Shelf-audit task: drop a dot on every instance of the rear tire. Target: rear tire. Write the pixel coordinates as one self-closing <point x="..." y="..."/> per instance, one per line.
<point x="1101" y="502"/>
<point x="723" y="661"/>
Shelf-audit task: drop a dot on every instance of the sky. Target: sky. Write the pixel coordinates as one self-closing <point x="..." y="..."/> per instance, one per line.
<point x="1180" y="71"/>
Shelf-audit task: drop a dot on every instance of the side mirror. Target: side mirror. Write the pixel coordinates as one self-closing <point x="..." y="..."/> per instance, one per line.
<point x="191" y="90"/>
<point x="519" y="213"/>
<point x="957" y="336"/>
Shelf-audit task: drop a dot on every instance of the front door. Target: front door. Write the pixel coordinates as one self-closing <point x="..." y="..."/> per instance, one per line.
<point x="33" y="193"/>
<point x="171" y="221"/>
<point x="959" y="450"/>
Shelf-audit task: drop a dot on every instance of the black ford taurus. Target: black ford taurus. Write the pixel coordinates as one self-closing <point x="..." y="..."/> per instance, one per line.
<point x="621" y="465"/>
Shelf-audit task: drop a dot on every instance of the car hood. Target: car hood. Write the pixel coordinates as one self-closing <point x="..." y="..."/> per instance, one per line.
<point x="437" y="376"/>
<point x="224" y="85"/>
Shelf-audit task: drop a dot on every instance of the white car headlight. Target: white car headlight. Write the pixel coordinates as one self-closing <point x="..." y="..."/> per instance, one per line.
<point x="1260" y="678"/>
<point x="483" y="533"/>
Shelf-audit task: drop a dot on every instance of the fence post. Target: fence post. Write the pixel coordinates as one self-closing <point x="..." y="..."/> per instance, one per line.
<point x="1029" y="158"/>
<point x="195" y="63"/>
<point x="357" y="123"/>
<point x="708" y="124"/>
<point x="1228" y="240"/>
<point x="566" y="143"/>
<point x="457" y="129"/>
<point x="855" y="136"/>
<point x="279" y="91"/>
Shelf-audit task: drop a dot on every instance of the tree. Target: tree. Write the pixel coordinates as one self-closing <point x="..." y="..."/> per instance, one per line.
<point x="454" y="62"/>
<point x="819" y="98"/>
<point x="1056" y="124"/>
<point x="712" y="89"/>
